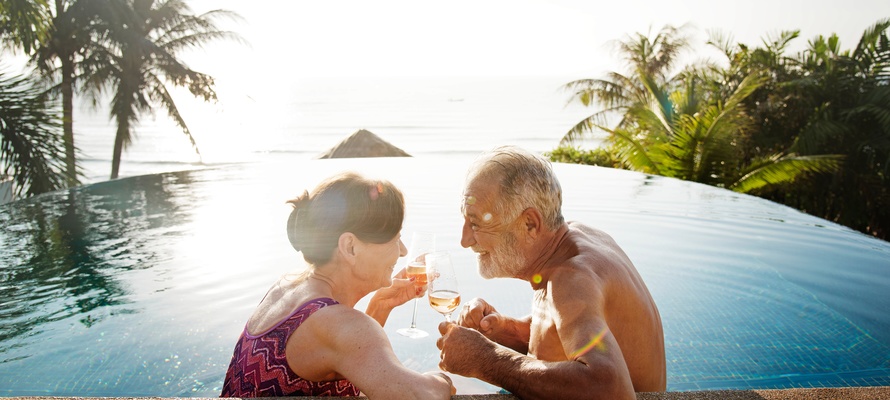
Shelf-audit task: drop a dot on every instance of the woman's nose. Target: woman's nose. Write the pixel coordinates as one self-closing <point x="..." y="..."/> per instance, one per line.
<point x="403" y="251"/>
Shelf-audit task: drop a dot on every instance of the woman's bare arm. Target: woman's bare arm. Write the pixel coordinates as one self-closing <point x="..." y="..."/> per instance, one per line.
<point x="351" y="345"/>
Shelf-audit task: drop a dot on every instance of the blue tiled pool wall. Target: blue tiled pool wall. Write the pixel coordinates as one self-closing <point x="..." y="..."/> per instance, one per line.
<point x="872" y="377"/>
<point x="782" y="336"/>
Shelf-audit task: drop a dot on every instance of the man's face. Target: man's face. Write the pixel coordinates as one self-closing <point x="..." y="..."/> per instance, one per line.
<point x="493" y="238"/>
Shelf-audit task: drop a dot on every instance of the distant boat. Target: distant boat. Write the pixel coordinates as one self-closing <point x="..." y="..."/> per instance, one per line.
<point x="6" y="195"/>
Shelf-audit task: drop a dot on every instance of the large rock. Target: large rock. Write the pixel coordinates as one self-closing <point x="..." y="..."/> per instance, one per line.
<point x="363" y="144"/>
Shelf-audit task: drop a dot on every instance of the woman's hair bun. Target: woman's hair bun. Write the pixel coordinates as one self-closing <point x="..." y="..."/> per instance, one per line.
<point x="299" y="207"/>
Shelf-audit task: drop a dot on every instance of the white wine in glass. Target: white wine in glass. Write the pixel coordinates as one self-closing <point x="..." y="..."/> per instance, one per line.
<point x="444" y="294"/>
<point x="422" y="243"/>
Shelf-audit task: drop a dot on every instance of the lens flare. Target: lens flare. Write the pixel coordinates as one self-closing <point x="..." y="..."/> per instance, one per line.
<point x="536" y="278"/>
<point x="596" y="342"/>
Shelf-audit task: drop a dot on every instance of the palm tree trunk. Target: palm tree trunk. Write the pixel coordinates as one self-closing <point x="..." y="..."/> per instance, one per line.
<point x="68" y="121"/>
<point x="123" y="131"/>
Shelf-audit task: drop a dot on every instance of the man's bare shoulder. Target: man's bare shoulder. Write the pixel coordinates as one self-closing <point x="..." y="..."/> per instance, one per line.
<point x="589" y="259"/>
<point x="579" y="231"/>
<point x="585" y="245"/>
<point x="577" y="269"/>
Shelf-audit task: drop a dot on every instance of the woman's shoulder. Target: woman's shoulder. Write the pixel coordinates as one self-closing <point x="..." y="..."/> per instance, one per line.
<point x="341" y="319"/>
<point x="280" y="305"/>
<point x="339" y="331"/>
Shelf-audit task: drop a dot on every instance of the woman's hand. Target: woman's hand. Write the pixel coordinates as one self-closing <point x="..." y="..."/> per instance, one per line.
<point x="401" y="291"/>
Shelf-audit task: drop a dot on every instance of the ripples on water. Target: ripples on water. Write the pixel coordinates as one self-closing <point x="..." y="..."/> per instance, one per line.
<point x="140" y="286"/>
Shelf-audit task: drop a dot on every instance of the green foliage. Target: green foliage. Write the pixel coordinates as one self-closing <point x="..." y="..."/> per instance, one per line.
<point x="810" y="130"/>
<point x="30" y="147"/>
<point x="575" y="155"/>
<point x="827" y="99"/>
<point x="680" y="126"/>
<point x="24" y="23"/>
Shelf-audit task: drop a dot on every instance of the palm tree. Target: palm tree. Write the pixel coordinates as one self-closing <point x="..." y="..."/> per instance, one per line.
<point x="687" y="126"/>
<point x="823" y="100"/>
<point x="848" y="102"/>
<point x="650" y="61"/>
<point x="70" y="35"/>
<point x="30" y="148"/>
<point x="139" y="60"/>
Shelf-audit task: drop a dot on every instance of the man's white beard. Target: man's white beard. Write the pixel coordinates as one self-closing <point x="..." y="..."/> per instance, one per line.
<point x="503" y="261"/>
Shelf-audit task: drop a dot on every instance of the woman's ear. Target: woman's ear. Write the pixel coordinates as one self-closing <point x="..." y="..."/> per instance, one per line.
<point x="346" y="246"/>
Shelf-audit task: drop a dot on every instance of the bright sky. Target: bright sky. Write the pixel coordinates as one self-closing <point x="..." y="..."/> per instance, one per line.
<point x="496" y="37"/>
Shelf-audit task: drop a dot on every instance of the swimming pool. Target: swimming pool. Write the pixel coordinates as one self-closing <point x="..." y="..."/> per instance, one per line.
<point x="140" y="286"/>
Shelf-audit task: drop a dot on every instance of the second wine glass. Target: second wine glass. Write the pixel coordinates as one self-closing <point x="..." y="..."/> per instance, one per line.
<point x="444" y="294"/>
<point x="422" y="243"/>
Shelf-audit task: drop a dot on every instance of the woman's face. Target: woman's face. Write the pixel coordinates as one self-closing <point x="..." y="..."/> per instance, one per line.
<point x="379" y="260"/>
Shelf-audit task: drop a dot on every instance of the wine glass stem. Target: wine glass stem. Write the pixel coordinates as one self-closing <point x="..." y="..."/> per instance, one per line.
<point x="448" y="317"/>
<point x="414" y="316"/>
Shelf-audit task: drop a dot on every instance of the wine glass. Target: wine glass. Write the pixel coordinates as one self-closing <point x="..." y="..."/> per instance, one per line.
<point x="444" y="294"/>
<point x="422" y="243"/>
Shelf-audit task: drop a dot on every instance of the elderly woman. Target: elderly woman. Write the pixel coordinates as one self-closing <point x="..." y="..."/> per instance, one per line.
<point x="305" y="338"/>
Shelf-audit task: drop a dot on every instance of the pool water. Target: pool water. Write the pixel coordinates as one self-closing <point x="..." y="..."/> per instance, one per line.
<point x="141" y="286"/>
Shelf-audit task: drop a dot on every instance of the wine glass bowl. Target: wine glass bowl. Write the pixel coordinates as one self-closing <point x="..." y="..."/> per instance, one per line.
<point x="417" y="271"/>
<point x="444" y="294"/>
<point x="422" y="244"/>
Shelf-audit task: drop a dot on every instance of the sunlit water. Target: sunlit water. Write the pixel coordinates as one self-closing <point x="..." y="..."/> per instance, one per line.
<point x="140" y="286"/>
<point x="440" y="117"/>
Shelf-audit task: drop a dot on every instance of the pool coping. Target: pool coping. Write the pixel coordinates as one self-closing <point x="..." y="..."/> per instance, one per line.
<point x="855" y="393"/>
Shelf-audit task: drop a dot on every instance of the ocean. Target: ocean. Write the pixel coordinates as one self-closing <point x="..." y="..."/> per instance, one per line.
<point x="304" y="117"/>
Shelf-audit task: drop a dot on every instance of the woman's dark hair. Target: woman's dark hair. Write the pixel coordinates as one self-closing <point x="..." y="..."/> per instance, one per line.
<point x="347" y="202"/>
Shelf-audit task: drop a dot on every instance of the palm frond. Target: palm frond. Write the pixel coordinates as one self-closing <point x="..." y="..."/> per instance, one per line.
<point x="160" y="94"/>
<point x="869" y="45"/>
<point x="875" y="105"/>
<point x="24" y="23"/>
<point x="783" y="170"/>
<point x="660" y="103"/>
<point x="632" y="152"/>
<point x="820" y="131"/>
<point x="608" y="93"/>
<point x="31" y="147"/>
<point x="585" y="127"/>
<point x="723" y="42"/>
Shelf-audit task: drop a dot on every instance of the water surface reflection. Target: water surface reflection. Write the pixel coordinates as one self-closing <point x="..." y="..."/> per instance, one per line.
<point x="140" y="286"/>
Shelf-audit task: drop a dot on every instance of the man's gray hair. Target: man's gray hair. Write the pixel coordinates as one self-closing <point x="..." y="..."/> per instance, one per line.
<point x="526" y="180"/>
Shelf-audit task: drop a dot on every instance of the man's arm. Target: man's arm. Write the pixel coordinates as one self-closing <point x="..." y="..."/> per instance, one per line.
<point x="466" y="352"/>
<point x="576" y="355"/>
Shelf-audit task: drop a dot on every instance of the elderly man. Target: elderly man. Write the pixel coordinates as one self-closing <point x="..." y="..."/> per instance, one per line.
<point x="594" y="330"/>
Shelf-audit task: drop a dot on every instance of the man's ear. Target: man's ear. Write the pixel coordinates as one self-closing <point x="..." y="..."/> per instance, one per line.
<point x="346" y="246"/>
<point x="533" y="221"/>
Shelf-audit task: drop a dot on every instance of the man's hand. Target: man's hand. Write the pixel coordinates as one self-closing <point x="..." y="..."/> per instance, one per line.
<point x="462" y="350"/>
<point x="479" y="315"/>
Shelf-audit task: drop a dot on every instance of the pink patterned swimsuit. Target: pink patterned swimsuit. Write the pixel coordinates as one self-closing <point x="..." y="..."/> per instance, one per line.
<point x="259" y="367"/>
